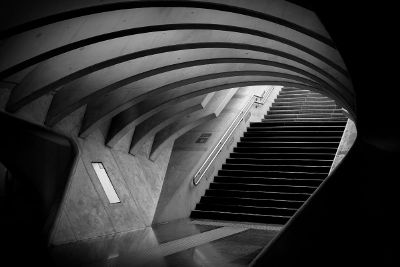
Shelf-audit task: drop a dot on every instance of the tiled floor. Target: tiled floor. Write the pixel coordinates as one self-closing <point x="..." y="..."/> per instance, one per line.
<point x="178" y="243"/>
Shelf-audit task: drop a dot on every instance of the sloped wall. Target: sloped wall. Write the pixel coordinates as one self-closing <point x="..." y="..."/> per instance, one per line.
<point x="86" y="211"/>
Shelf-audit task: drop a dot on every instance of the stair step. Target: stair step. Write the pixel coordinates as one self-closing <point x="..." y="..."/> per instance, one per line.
<point x="304" y="111"/>
<point x="278" y="163"/>
<point x="331" y="128"/>
<point x="227" y="216"/>
<point x="287" y="144"/>
<point x="257" y="194"/>
<point x="302" y="103"/>
<point x="251" y="202"/>
<point x="282" y="168"/>
<point x="293" y="89"/>
<point x="275" y="174"/>
<point x="306" y="115"/>
<point x="279" y="155"/>
<point x="304" y="119"/>
<point x="293" y="93"/>
<point x="246" y="209"/>
<point x="331" y="150"/>
<point x="267" y="181"/>
<point x="291" y="138"/>
<point x="292" y="133"/>
<point x="263" y="188"/>
<point x="269" y="161"/>
<point x="300" y="107"/>
<point x="297" y="128"/>
<point x="298" y="123"/>
<point x="300" y="98"/>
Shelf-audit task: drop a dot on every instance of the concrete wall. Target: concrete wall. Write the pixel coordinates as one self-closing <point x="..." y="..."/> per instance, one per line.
<point x="179" y="196"/>
<point x="348" y="138"/>
<point x="138" y="181"/>
<point x="86" y="211"/>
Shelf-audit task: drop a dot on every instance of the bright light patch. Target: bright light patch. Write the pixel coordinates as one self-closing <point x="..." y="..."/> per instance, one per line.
<point x="105" y="182"/>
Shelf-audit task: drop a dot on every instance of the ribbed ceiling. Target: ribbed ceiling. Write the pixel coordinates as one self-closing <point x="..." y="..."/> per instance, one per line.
<point x="127" y="61"/>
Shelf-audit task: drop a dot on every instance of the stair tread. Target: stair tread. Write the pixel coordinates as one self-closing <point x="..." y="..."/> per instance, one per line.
<point x="269" y="179"/>
<point x="245" y="214"/>
<point x="291" y="172"/>
<point x="247" y="206"/>
<point x="258" y="199"/>
<point x="255" y="191"/>
<point x="262" y="185"/>
<point x="293" y="142"/>
<point x="269" y="165"/>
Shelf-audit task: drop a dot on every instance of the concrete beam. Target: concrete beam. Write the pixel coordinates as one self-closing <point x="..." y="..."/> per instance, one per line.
<point x="58" y="71"/>
<point x="51" y="35"/>
<point x="191" y="104"/>
<point x="124" y="75"/>
<point x="280" y="12"/>
<point x="99" y="112"/>
<point x="190" y="121"/>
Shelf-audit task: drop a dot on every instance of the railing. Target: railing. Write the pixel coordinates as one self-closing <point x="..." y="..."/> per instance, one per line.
<point x="228" y="133"/>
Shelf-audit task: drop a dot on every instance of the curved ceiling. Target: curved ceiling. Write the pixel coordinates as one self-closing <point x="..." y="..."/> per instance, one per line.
<point x="128" y="61"/>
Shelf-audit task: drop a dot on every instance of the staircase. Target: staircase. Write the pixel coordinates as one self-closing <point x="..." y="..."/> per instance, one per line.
<point x="278" y="163"/>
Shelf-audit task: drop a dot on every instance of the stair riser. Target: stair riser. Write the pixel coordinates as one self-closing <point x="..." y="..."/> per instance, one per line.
<point x="302" y="116"/>
<point x="289" y="120"/>
<point x="290" y="139"/>
<point x="298" y="123"/>
<point x="297" y="128"/>
<point x="283" y="150"/>
<point x="274" y="174"/>
<point x="244" y="167"/>
<point x="246" y="209"/>
<point x="251" y="202"/>
<point x="263" y="188"/>
<point x="297" y="104"/>
<point x="261" y="195"/>
<point x="292" y="89"/>
<point x="301" y="94"/>
<point x="267" y="181"/>
<point x="278" y="162"/>
<point x="278" y="133"/>
<point x="305" y="111"/>
<point x="301" y="107"/>
<point x="307" y="156"/>
<point x="237" y="217"/>
<point x="281" y="99"/>
<point x="287" y="144"/>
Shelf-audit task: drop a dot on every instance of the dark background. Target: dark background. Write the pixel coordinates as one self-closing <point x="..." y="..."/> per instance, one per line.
<point x="352" y="219"/>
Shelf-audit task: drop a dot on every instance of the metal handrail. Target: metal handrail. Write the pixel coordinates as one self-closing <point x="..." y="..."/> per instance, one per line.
<point x="225" y="137"/>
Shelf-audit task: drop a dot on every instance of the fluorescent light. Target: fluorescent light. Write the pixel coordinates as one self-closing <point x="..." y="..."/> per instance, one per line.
<point x="105" y="182"/>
